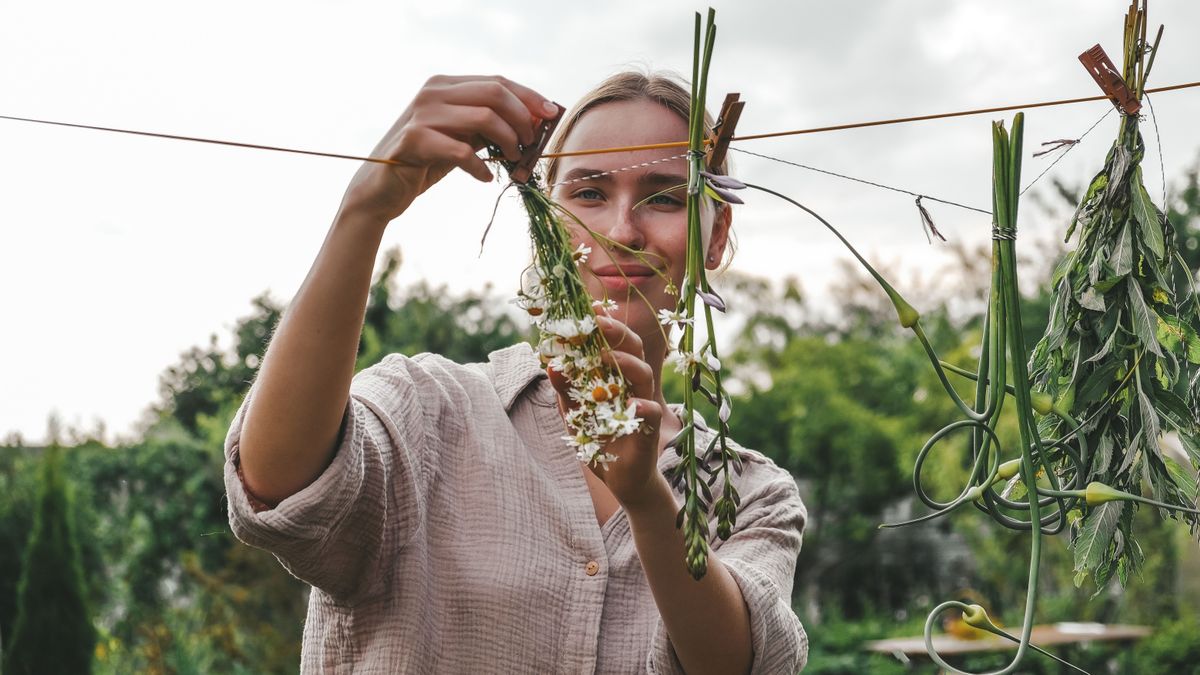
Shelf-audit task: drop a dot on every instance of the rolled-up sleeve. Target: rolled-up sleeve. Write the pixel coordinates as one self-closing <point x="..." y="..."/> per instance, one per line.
<point x="761" y="557"/>
<point x="335" y="533"/>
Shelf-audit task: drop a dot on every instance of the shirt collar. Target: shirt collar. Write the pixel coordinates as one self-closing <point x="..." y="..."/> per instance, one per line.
<point x="513" y="370"/>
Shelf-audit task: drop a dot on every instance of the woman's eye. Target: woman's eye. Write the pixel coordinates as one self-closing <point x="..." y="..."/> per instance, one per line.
<point x="588" y="194"/>
<point x="665" y="200"/>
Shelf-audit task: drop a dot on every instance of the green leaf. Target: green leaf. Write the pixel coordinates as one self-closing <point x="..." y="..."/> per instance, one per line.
<point x="1191" y="444"/>
<point x="1121" y="258"/>
<point x="1091" y="546"/>
<point x="1146" y="215"/>
<point x="1105" y="285"/>
<point x="1183" y="477"/>
<point x="1172" y="332"/>
<point x="1015" y="489"/>
<point x="1056" y="334"/>
<point x="1149" y="420"/>
<point x="1108" y="344"/>
<point x="1103" y="458"/>
<point x="1092" y="300"/>
<point x="1096" y="384"/>
<point x="1144" y="327"/>
<point x="1174" y="409"/>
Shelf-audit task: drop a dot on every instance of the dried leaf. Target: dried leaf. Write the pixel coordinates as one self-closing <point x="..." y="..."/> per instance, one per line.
<point x="1095" y="537"/>
<point x="1121" y="259"/>
<point x="1144" y="326"/>
<point x="1172" y="333"/>
<point x="1147" y="216"/>
<point x="1092" y="300"/>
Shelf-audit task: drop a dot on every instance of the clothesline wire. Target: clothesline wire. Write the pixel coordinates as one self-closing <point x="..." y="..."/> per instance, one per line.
<point x="1069" y="149"/>
<point x="862" y="180"/>
<point x="381" y="160"/>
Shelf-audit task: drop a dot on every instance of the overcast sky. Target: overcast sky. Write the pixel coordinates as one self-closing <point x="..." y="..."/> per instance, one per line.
<point x="121" y="252"/>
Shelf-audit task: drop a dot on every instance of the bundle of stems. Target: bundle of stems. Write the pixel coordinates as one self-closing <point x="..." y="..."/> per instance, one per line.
<point x="701" y="365"/>
<point x="554" y="295"/>
<point x="1119" y="354"/>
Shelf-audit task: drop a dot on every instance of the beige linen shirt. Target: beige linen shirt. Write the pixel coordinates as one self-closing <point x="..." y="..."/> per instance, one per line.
<point x="454" y="532"/>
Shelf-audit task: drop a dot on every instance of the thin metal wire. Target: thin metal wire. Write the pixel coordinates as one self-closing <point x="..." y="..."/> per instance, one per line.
<point x="612" y="171"/>
<point x="864" y="181"/>
<point x="1069" y="149"/>
<point x="1162" y="168"/>
<point x="196" y="139"/>
<point x="380" y="160"/>
<point x="980" y="111"/>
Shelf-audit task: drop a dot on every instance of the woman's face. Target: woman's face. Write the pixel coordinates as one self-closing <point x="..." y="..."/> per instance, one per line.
<point x="626" y="208"/>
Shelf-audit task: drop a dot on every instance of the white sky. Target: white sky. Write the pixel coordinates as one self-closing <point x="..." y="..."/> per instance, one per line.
<point x="118" y="253"/>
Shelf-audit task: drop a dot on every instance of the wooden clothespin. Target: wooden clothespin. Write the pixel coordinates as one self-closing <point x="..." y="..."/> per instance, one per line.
<point x="522" y="171"/>
<point x="727" y="121"/>
<point x="1106" y="75"/>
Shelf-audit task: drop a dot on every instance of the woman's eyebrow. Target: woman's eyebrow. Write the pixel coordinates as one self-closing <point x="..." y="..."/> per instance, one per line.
<point x="583" y="172"/>
<point x="655" y="178"/>
<point x="652" y="178"/>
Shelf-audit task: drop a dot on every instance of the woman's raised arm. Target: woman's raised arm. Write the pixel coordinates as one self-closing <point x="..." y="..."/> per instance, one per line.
<point x="292" y="421"/>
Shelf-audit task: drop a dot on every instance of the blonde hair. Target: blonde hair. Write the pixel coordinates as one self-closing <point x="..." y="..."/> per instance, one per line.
<point x="666" y="89"/>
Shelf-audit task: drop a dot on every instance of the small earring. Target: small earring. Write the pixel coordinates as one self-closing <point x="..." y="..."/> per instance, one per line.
<point x="711" y="259"/>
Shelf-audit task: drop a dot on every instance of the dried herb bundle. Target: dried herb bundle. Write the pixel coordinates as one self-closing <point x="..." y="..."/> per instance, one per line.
<point x="1121" y="349"/>
<point x="554" y="295"/>
<point x="701" y="365"/>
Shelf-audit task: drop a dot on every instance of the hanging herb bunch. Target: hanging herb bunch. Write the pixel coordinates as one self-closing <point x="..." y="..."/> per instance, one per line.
<point x="700" y="364"/>
<point x="554" y="295"/>
<point x="1121" y="349"/>
<point x="1116" y="369"/>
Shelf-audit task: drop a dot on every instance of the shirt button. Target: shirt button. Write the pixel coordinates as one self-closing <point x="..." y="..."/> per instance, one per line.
<point x="591" y="568"/>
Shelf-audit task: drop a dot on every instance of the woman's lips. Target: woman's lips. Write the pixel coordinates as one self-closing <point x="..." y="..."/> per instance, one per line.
<point x="616" y="277"/>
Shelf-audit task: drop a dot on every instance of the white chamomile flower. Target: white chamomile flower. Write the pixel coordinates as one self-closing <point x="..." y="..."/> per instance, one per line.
<point x="580" y="255"/>
<point x="679" y="362"/>
<point x="667" y="317"/>
<point x="683" y="361"/>
<point x="586" y="325"/>
<point x="621" y="421"/>
<point x="606" y="304"/>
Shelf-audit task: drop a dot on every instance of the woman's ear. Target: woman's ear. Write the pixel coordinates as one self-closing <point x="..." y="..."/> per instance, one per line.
<point x="722" y="221"/>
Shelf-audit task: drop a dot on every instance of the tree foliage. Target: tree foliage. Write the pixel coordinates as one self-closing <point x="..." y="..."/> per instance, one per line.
<point x="53" y="631"/>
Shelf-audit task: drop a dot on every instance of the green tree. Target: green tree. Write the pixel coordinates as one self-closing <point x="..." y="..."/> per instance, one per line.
<point x="422" y="318"/>
<point x="53" y="631"/>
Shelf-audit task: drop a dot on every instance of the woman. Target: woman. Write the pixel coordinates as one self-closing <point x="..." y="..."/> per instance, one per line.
<point x="434" y="507"/>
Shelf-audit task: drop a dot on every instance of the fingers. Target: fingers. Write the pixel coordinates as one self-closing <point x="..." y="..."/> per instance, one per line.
<point x="516" y="105"/>
<point x="505" y="95"/>
<point x="651" y="413"/>
<point x="425" y="145"/>
<point x="477" y="126"/>
<point x="637" y="373"/>
<point x="620" y="336"/>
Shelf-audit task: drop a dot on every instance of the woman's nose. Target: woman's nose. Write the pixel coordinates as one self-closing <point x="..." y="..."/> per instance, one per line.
<point x="627" y="230"/>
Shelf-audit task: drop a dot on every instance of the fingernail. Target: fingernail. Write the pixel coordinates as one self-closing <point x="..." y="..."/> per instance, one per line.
<point x="550" y="108"/>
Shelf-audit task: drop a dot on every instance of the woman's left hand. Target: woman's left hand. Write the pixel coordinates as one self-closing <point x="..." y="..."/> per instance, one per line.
<point x="634" y="474"/>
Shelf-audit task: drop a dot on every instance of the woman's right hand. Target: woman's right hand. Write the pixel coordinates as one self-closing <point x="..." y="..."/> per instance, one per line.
<point x="449" y="120"/>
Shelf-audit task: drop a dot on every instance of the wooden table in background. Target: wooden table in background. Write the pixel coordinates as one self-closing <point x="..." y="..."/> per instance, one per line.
<point x="1043" y="636"/>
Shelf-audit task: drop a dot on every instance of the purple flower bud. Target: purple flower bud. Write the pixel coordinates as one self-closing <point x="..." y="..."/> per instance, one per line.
<point x="725" y="195"/>
<point x="712" y="300"/>
<point x="727" y="182"/>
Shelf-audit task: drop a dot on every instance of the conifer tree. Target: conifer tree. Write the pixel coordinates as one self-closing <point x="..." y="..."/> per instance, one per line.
<point x="53" y="632"/>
